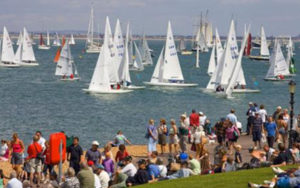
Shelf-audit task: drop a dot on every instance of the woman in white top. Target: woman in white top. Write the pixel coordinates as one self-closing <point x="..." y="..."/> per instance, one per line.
<point x="197" y="137"/>
<point x="286" y="116"/>
<point x="173" y="138"/>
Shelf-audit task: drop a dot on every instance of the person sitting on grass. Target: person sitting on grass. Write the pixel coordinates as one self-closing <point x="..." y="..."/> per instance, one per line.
<point x="194" y="165"/>
<point x="119" y="180"/>
<point x="153" y="171"/>
<point x="129" y="169"/>
<point x="141" y="176"/>
<point x="121" y="154"/>
<point x="229" y="165"/>
<point x="283" y="157"/>
<point x="183" y="172"/>
<point x="237" y="156"/>
<point x="162" y="168"/>
<point x="70" y="180"/>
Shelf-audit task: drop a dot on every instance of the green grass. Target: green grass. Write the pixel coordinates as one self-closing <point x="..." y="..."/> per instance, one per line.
<point x="231" y="179"/>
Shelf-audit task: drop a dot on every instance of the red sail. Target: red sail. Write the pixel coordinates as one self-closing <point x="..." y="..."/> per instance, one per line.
<point x="41" y="40"/>
<point x="248" y="46"/>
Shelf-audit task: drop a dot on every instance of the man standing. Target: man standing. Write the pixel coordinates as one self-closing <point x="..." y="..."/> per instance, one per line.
<point x="42" y="140"/>
<point x="194" y="122"/>
<point x="94" y="154"/>
<point x="277" y="113"/>
<point x="75" y="155"/>
<point x="256" y="129"/>
<point x="34" y="151"/>
<point x="232" y="117"/>
<point x="183" y="132"/>
<point x="202" y="118"/>
<point x="250" y="113"/>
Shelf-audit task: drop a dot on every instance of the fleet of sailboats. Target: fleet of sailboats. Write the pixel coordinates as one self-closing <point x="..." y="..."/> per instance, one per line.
<point x="56" y="41"/>
<point x="42" y="45"/>
<point x="264" y="53"/>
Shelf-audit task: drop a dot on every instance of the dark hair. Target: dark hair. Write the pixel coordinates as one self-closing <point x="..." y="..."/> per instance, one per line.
<point x="76" y="138"/>
<point x="119" y="132"/>
<point x="159" y="161"/>
<point x="1" y="174"/>
<point x="155" y="153"/>
<point x="122" y="147"/>
<point x="281" y="147"/>
<point x="280" y="116"/>
<point x="38" y="132"/>
<point x="232" y="111"/>
<point x="193" y="111"/>
<point x="184" y="163"/>
<point x="262" y="106"/>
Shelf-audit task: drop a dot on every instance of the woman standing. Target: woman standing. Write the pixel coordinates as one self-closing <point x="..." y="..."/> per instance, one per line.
<point x="197" y="137"/>
<point x="282" y="129"/>
<point x="17" y="149"/>
<point x="173" y="139"/>
<point x="204" y="157"/>
<point x="232" y="134"/>
<point x="286" y="116"/>
<point x="162" y="135"/>
<point x="151" y="135"/>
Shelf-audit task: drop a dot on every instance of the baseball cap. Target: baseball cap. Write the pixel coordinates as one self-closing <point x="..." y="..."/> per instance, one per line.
<point x="96" y="143"/>
<point x="90" y="163"/>
<point x="183" y="156"/>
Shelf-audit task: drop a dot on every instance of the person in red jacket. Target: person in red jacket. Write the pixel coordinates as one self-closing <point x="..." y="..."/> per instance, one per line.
<point x="34" y="151"/>
<point x="194" y="123"/>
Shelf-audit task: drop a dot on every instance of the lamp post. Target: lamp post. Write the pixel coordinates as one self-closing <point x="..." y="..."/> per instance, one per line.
<point x="292" y="88"/>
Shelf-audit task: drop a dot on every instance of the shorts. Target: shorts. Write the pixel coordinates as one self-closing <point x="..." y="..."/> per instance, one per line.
<point x="256" y="136"/>
<point x="162" y="139"/>
<point x="35" y="165"/>
<point x="173" y="139"/>
<point x="16" y="159"/>
<point x="151" y="145"/>
<point x="233" y="139"/>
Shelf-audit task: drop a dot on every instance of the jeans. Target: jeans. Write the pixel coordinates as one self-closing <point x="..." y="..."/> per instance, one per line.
<point x="270" y="140"/>
<point x="151" y="144"/>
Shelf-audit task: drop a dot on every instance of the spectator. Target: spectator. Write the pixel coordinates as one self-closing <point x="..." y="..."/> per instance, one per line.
<point x="271" y="129"/>
<point x="232" y="134"/>
<point x="151" y="135"/>
<point x="42" y="140"/>
<point x="277" y="113"/>
<point x="183" y="172"/>
<point x="120" y="180"/>
<point x="121" y="154"/>
<point x="4" y="152"/>
<point x="85" y="176"/>
<point x="120" y="139"/>
<point x="35" y="157"/>
<point x="282" y="129"/>
<point x="102" y="175"/>
<point x="269" y="152"/>
<point x="194" y="121"/>
<point x="108" y="164"/>
<point x="220" y="130"/>
<point x="141" y="176"/>
<point x="199" y="133"/>
<point x="75" y="155"/>
<point x="194" y="165"/>
<point x="229" y="166"/>
<point x="202" y="119"/>
<point x="14" y="182"/>
<point x="162" y="131"/>
<point x="237" y="156"/>
<point x="48" y="167"/>
<point x="183" y="132"/>
<point x="282" y="158"/>
<point x="232" y="117"/>
<point x="93" y="154"/>
<point x="17" y="149"/>
<point x="262" y="113"/>
<point x="173" y="138"/>
<point x="129" y="169"/>
<point x="256" y="130"/>
<point x="153" y="171"/>
<point x="250" y="113"/>
<point x="70" y="180"/>
<point x="162" y="168"/>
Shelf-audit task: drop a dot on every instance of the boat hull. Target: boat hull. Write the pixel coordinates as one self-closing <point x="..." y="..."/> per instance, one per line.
<point x="43" y="47"/>
<point x="26" y="64"/>
<point x="246" y="91"/>
<point x="186" y="53"/>
<point x="259" y="58"/>
<point x="277" y="79"/>
<point x="70" y="79"/>
<point x="9" y="65"/>
<point x="133" y="87"/>
<point x="119" y="91"/>
<point x="171" y="84"/>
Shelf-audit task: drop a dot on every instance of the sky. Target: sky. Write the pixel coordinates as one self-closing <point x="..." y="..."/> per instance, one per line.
<point x="279" y="17"/>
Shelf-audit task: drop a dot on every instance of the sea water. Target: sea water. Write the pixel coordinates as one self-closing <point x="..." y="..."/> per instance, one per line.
<point x="32" y="98"/>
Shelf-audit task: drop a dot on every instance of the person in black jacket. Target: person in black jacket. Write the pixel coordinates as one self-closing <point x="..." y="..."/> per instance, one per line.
<point x="141" y="176"/>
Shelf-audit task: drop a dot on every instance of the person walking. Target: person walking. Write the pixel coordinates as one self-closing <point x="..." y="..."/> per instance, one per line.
<point x="271" y="129"/>
<point x="232" y="135"/>
<point x="256" y="130"/>
<point x="151" y="135"/>
<point x="250" y="113"/>
<point x="75" y="155"/>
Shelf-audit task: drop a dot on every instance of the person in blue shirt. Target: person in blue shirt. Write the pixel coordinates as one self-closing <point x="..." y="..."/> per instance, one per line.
<point x="232" y="117"/>
<point x="271" y="128"/>
<point x="153" y="171"/>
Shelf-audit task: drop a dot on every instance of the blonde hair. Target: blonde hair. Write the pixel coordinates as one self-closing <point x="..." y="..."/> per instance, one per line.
<point x="173" y="122"/>
<point x="151" y="121"/>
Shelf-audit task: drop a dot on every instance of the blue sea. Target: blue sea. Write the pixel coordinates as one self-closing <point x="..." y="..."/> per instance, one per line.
<point x="34" y="99"/>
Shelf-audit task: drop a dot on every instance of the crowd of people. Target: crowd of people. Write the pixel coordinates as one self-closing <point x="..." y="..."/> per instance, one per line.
<point x="187" y="153"/>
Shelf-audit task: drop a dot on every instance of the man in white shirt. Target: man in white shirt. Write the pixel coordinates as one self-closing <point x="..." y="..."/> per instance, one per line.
<point x="262" y="113"/>
<point x="102" y="175"/>
<point x="202" y="118"/>
<point x="42" y="140"/>
<point x="129" y="169"/>
<point x="14" y="182"/>
<point x="97" y="181"/>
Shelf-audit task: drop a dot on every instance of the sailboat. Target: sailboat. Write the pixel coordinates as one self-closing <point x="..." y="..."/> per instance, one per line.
<point x="119" y="44"/>
<point x="219" y="47"/>
<point x="7" y="51"/>
<point x="56" y="41"/>
<point x="42" y="45"/>
<point x="290" y="58"/>
<point x="182" y="48"/>
<point x="279" y="69"/>
<point x="90" y="45"/>
<point x="48" y="39"/>
<point x="25" y="55"/>
<point x="19" y="41"/>
<point x="124" y="67"/>
<point x="105" y="79"/>
<point x="212" y="61"/>
<point x="72" y="40"/>
<point x="264" y="54"/>
<point x="66" y="67"/>
<point x="146" y="52"/>
<point x="168" y="66"/>
<point x="137" y="61"/>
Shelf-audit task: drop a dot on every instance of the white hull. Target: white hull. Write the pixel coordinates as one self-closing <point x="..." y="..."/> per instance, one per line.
<point x="135" y="69"/>
<point x="259" y="58"/>
<point x="186" y="52"/>
<point x="92" y="50"/>
<point x="26" y="64"/>
<point x="171" y="84"/>
<point x="9" y="65"/>
<point x="70" y="79"/>
<point x="134" y="87"/>
<point x="115" y="91"/>
<point x="246" y="91"/>
<point x="43" y="47"/>
<point x="277" y="79"/>
<point x="56" y="45"/>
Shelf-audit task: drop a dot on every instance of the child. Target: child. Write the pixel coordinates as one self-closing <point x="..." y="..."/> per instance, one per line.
<point x="229" y="166"/>
<point x="107" y="148"/>
<point x="108" y="164"/>
<point x="237" y="156"/>
<point x="121" y="154"/>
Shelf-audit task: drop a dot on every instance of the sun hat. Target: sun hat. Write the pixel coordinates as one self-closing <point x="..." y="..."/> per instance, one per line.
<point x="96" y="143"/>
<point x="201" y="113"/>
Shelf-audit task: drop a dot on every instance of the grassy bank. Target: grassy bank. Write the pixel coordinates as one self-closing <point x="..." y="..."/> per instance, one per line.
<point x="231" y="179"/>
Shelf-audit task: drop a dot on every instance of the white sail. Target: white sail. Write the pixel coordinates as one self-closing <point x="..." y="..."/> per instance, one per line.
<point x="27" y="51"/>
<point x="119" y="44"/>
<point x="212" y="61"/>
<point x="146" y="57"/>
<point x="182" y="45"/>
<point x="212" y="84"/>
<point x="18" y="55"/>
<point x="264" y="50"/>
<point x="101" y="79"/>
<point x="237" y="68"/>
<point x="157" y="74"/>
<point x="202" y="43"/>
<point x="64" y="65"/>
<point x="7" y="48"/>
<point x="130" y="49"/>
<point x="90" y="33"/>
<point x="278" y="65"/>
<point x="48" y="39"/>
<point x="230" y="56"/>
<point x="56" y="41"/>
<point x="219" y="47"/>
<point x="172" y="70"/>
<point x="137" y="64"/>
<point x="124" y="68"/>
<point x="209" y="35"/>
<point x="20" y="38"/>
<point x="72" y="40"/>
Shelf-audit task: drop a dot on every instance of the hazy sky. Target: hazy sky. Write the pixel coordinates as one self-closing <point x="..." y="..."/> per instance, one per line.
<point x="279" y="17"/>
